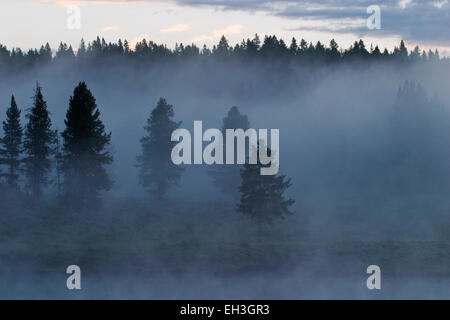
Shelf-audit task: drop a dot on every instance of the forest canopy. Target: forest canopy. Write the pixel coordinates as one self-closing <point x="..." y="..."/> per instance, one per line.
<point x="269" y="48"/>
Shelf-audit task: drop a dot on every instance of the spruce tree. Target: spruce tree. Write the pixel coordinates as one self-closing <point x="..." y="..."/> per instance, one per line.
<point x="156" y="169"/>
<point x="11" y="144"/>
<point x="38" y="145"/>
<point x="227" y="177"/>
<point x="84" y="155"/>
<point x="262" y="196"/>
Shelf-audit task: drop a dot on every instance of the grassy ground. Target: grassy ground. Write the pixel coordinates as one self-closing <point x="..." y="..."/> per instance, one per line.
<point x="205" y="236"/>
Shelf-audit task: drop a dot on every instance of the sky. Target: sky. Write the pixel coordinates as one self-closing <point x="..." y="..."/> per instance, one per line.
<point x="30" y="23"/>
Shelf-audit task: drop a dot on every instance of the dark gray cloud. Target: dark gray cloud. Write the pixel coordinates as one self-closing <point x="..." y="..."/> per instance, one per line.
<point x="421" y="21"/>
<point x="414" y="20"/>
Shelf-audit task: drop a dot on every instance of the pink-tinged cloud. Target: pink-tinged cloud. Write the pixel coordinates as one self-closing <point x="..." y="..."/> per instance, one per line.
<point x="217" y="33"/>
<point x="109" y="28"/>
<point x="64" y="3"/>
<point x="175" y="28"/>
<point x="412" y="20"/>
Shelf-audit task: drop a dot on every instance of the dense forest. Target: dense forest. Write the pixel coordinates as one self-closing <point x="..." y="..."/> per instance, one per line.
<point x="86" y="176"/>
<point x="270" y="48"/>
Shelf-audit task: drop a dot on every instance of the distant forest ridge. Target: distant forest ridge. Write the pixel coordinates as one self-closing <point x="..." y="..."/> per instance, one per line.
<point x="270" y="47"/>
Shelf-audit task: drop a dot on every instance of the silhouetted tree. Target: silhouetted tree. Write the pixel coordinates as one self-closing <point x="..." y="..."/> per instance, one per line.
<point x="84" y="155"/>
<point x="293" y="48"/>
<point x="11" y="144"/>
<point x="333" y="52"/>
<point x="262" y="196"/>
<point x="401" y="52"/>
<point x="65" y="52"/>
<point x="227" y="177"/>
<point x="81" y="52"/>
<point x="375" y="53"/>
<point x="156" y="169"/>
<point x="45" y="54"/>
<point x="252" y="47"/>
<point x="223" y="48"/>
<point x="272" y="49"/>
<point x="38" y="145"/>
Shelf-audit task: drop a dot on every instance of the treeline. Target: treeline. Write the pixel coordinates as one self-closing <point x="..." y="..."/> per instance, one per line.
<point x="270" y="48"/>
<point x="35" y="157"/>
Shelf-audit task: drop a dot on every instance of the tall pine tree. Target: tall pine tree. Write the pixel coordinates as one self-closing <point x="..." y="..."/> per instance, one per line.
<point x="84" y="155"/>
<point x="38" y="145"/>
<point x="262" y="196"/>
<point x="227" y="177"/>
<point x="156" y="169"/>
<point x="11" y="144"/>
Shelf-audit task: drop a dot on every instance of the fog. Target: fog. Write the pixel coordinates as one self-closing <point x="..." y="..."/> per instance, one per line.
<point x="370" y="177"/>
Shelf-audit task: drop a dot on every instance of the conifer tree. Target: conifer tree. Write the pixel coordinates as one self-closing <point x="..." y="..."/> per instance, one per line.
<point x="38" y="145"/>
<point x="84" y="155"/>
<point x="293" y="48"/>
<point x="227" y="177"/>
<point x="45" y="54"/>
<point x="156" y="169"/>
<point x="81" y="52"/>
<point x="11" y="144"/>
<point x="401" y="52"/>
<point x="262" y="196"/>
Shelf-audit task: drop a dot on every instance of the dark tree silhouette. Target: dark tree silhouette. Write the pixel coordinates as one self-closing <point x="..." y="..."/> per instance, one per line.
<point x="84" y="155"/>
<point x="262" y="196"/>
<point x="227" y="177"/>
<point x="272" y="50"/>
<point x="11" y="144"/>
<point x="38" y="145"/>
<point x="156" y="170"/>
<point x="401" y="52"/>
<point x="65" y="53"/>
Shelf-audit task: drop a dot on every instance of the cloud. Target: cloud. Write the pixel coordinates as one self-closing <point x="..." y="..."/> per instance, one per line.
<point x="66" y="3"/>
<point x="175" y="28"/>
<point x="201" y="38"/>
<point x="412" y="20"/>
<point x="109" y="28"/>
<point x="217" y="33"/>
<point x="440" y="4"/>
<point x="416" y="20"/>
<point x="233" y="29"/>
